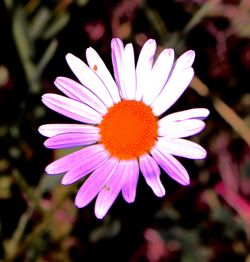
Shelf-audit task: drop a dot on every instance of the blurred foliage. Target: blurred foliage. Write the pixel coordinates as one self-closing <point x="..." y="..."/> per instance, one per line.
<point x="207" y="221"/>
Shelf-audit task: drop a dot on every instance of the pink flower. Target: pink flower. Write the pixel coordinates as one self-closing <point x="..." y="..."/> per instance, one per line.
<point x="121" y="127"/>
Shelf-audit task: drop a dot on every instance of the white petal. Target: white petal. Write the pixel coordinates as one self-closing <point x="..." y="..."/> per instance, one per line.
<point x="117" y="53"/>
<point x="196" y="113"/>
<point x="170" y="165"/>
<point x="80" y="93"/>
<point x="50" y="130"/>
<point x="95" y="62"/>
<point x="109" y="193"/>
<point x="86" y="165"/>
<point x="130" y="181"/>
<point x="159" y="75"/>
<point x="71" y="108"/>
<point x="144" y="67"/>
<point x="89" y="79"/>
<point x="173" y="89"/>
<point x="129" y="72"/>
<point x="95" y="182"/>
<point x="184" y="61"/>
<point x="151" y="172"/>
<point x="182" y="147"/>
<point x="67" y="162"/>
<point x="183" y="128"/>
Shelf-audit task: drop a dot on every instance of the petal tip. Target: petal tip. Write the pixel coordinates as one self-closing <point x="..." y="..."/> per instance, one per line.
<point x="65" y="181"/>
<point x="116" y="39"/>
<point x="46" y="144"/>
<point x="69" y="57"/>
<point x="191" y="52"/>
<point x="129" y="200"/>
<point x="40" y="130"/>
<point x="150" y="41"/>
<point x="170" y="51"/>
<point x="203" y="154"/>
<point x="160" y="194"/>
<point x="116" y="42"/>
<point x="190" y="56"/>
<point x="78" y="203"/>
<point x="99" y="213"/>
<point x="186" y="181"/>
<point x="207" y="112"/>
<point x="49" y="170"/>
<point x="58" y="79"/>
<point x="44" y="96"/>
<point x="89" y="51"/>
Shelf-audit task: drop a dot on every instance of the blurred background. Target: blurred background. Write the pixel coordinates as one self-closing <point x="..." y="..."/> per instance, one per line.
<point x="206" y="221"/>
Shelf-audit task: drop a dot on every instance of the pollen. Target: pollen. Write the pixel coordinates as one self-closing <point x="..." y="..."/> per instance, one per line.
<point x="129" y="129"/>
<point x="95" y="67"/>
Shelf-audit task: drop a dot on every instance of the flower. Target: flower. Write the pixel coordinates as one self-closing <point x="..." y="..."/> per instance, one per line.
<point x="122" y="130"/>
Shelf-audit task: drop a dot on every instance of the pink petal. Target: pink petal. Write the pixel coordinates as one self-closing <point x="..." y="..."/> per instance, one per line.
<point x="144" y="67"/>
<point x="109" y="193"/>
<point x="170" y="165"/>
<point x="80" y="93"/>
<point x="50" y="130"/>
<point x="129" y="72"/>
<point x="130" y="181"/>
<point x="182" y="147"/>
<point x="177" y="83"/>
<point x="159" y="75"/>
<point x="71" y="140"/>
<point x="67" y="162"/>
<point x="117" y="49"/>
<point x="95" y="62"/>
<point x="89" y="163"/>
<point x="173" y="89"/>
<point x="151" y="172"/>
<point x="183" y="128"/>
<point x="72" y="109"/>
<point x="95" y="182"/>
<point x="196" y="113"/>
<point x="89" y="79"/>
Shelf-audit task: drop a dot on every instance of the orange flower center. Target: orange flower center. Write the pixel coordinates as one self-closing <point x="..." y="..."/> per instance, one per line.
<point x="129" y="129"/>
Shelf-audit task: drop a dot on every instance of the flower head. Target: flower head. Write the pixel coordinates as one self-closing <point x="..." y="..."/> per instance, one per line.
<point x="121" y="129"/>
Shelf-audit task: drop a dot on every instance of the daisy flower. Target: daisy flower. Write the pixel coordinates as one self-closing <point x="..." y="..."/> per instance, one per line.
<point x="121" y="128"/>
